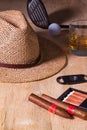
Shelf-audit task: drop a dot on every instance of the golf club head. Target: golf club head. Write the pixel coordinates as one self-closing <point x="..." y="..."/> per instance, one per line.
<point x="37" y="13"/>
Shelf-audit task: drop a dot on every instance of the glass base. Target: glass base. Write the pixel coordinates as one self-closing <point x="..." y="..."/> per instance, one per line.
<point x="79" y="52"/>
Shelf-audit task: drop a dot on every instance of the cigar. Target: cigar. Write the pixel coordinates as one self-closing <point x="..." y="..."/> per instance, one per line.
<point x="67" y="107"/>
<point x="70" y="101"/>
<point x="51" y="107"/>
<point x="79" y="98"/>
<point x="74" y="100"/>
<point x="80" y="94"/>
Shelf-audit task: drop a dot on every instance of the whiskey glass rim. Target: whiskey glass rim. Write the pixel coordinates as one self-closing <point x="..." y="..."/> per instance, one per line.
<point x="78" y="24"/>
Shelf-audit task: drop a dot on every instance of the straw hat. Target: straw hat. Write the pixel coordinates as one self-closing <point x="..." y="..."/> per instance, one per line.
<point x="23" y="57"/>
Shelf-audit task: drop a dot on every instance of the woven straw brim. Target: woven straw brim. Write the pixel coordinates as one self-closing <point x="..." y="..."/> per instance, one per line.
<point x="53" y="60"/>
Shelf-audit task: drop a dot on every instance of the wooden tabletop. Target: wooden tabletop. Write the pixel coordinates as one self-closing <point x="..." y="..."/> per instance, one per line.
<point x="16" y="112"/>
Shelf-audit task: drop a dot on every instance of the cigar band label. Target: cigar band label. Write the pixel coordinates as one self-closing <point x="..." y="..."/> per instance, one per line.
<point x="71" y="109"/>
<point x="52" y="108"/>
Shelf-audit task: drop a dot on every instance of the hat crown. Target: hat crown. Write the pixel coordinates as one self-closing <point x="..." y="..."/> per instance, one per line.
<point x="18" y="41"/>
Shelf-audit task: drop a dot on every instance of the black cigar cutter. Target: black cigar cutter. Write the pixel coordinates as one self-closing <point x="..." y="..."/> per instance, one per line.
<point x="72" y="79"/>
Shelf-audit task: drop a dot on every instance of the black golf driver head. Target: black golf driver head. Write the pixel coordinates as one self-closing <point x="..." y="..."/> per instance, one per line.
<point x="37" y="13"/>
<point x="39" y="16"/>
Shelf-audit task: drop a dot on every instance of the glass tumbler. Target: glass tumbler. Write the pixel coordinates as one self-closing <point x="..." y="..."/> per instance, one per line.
<point x="78" y="37"/>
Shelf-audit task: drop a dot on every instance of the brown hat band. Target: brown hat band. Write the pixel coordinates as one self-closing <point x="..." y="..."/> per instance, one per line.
<point x="20" y="66"/>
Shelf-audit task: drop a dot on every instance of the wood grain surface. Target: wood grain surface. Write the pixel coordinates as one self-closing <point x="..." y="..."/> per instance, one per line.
<point x="16" y="112"/>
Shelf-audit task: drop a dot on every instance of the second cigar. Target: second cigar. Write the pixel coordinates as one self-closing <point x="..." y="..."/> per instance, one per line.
<point x="69" y="108"/>
<point x="48" y="106"/>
